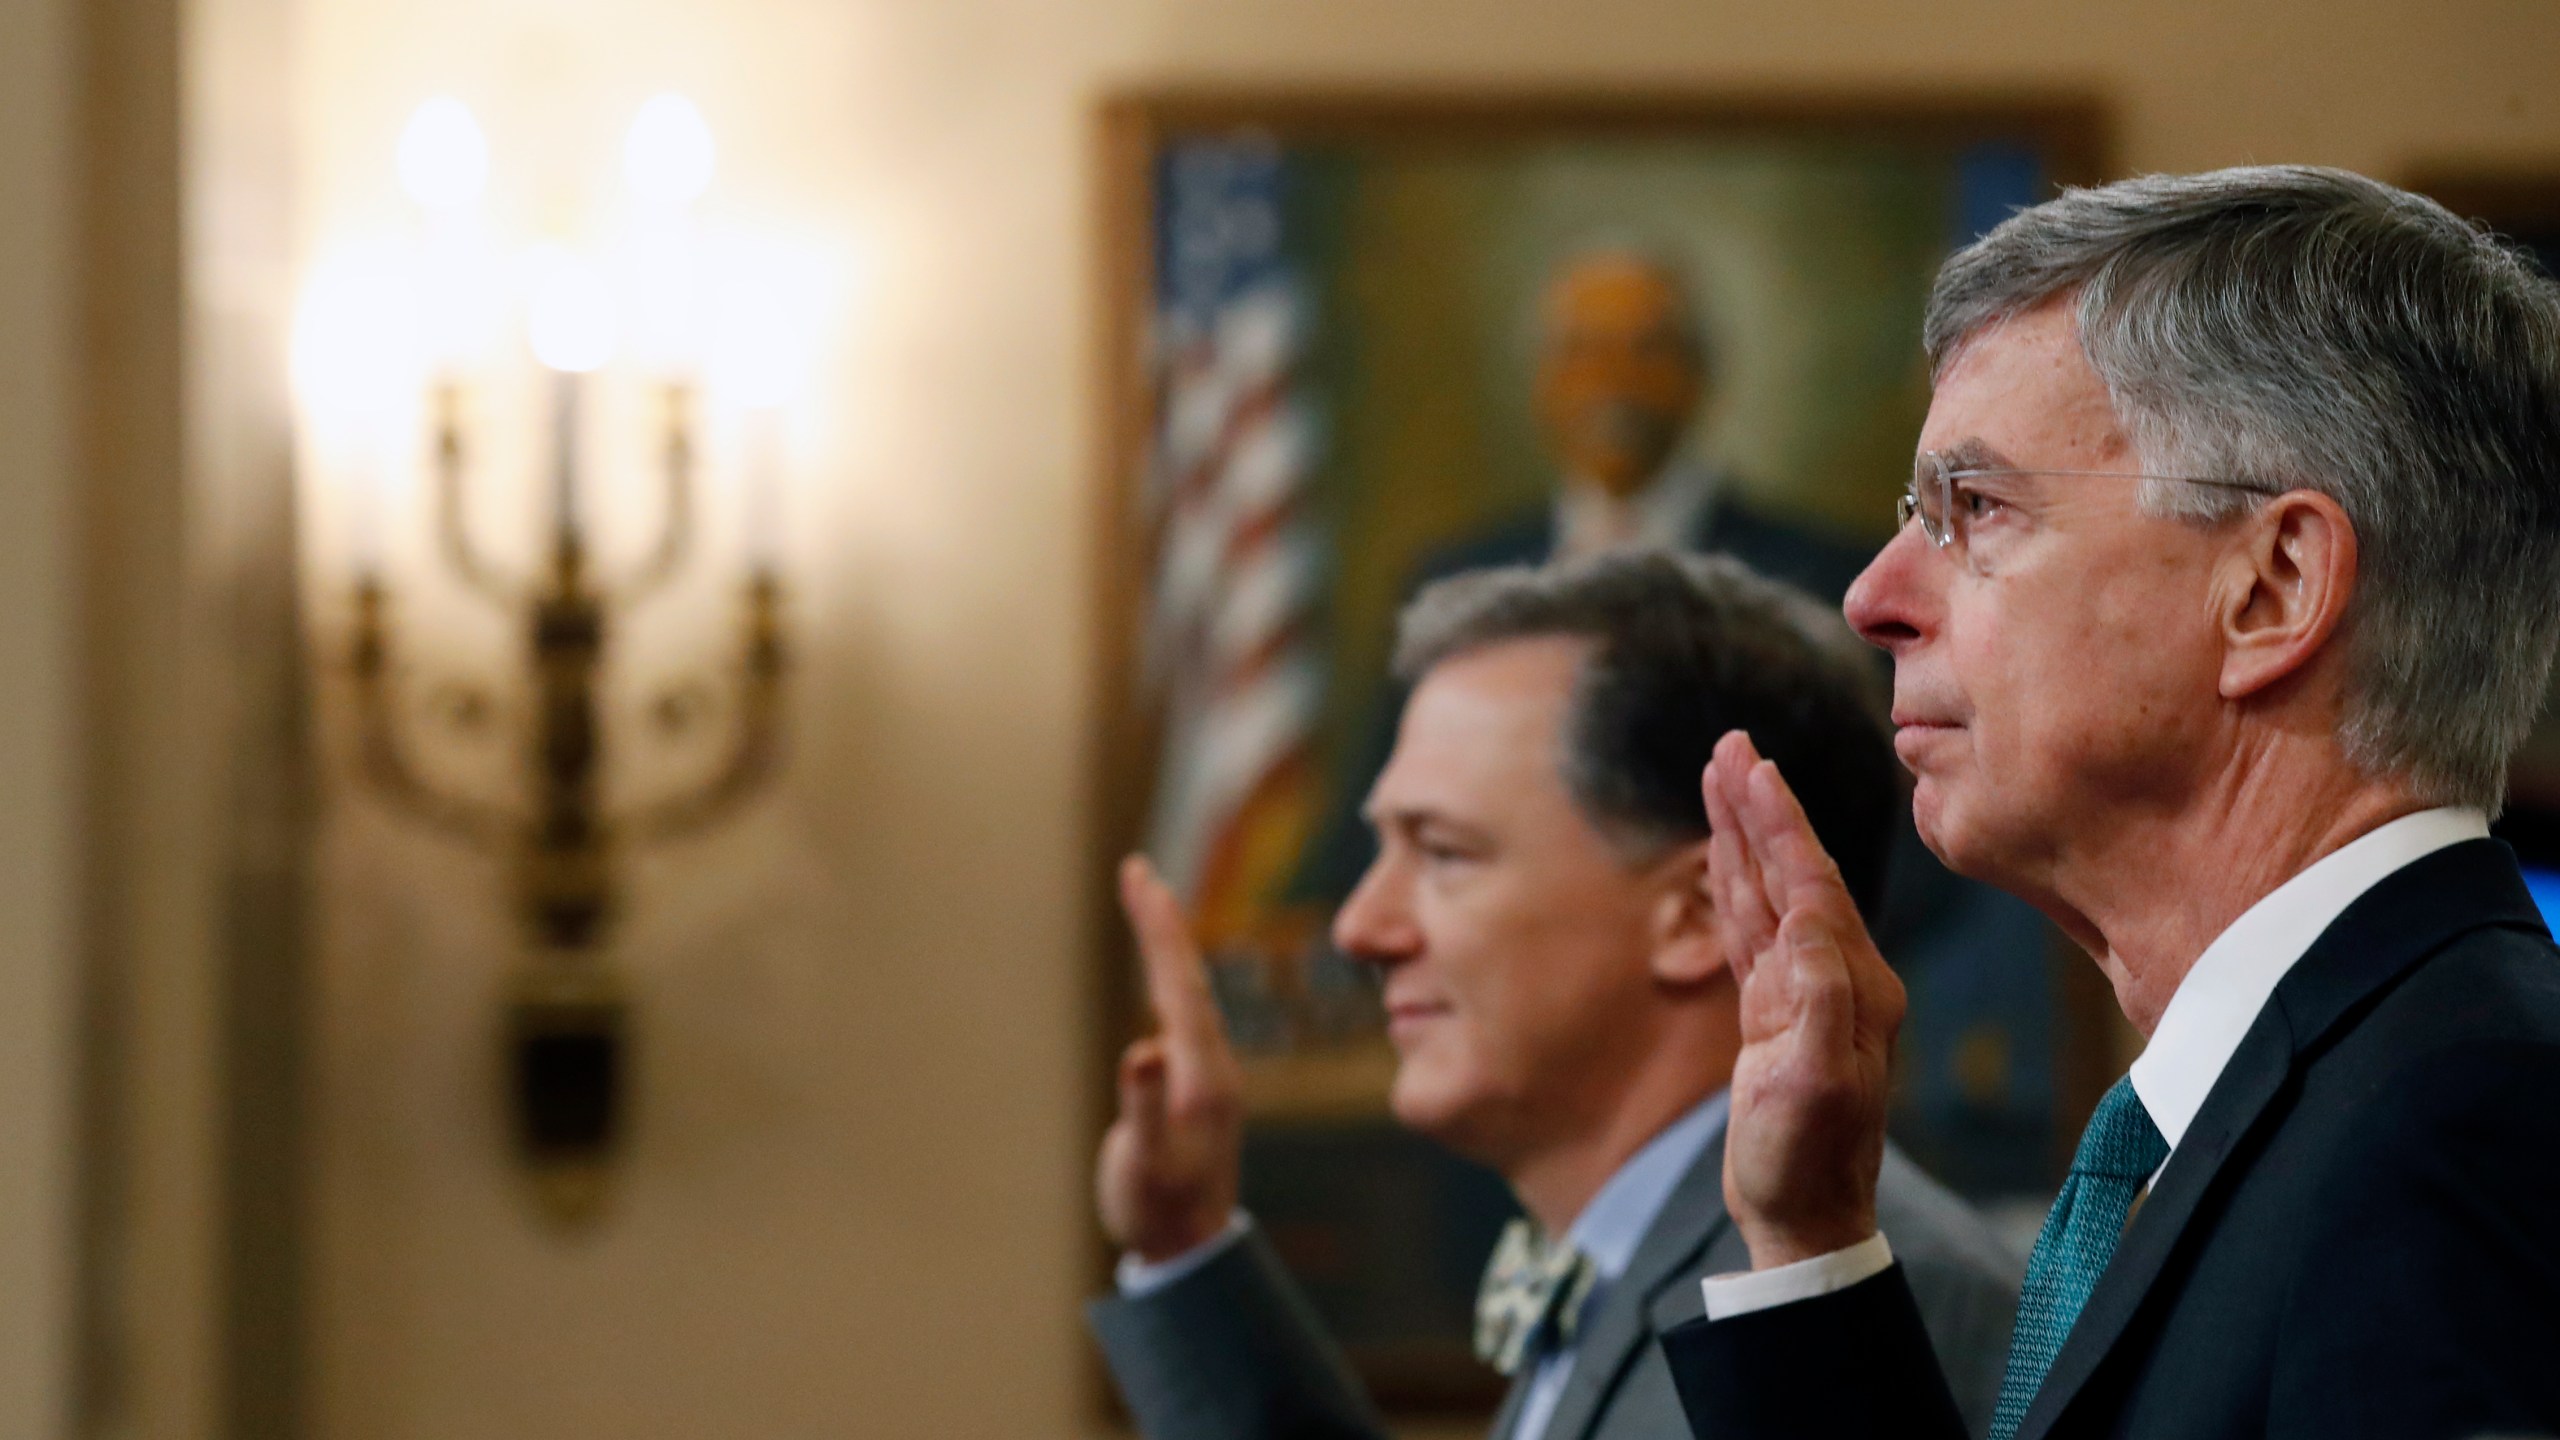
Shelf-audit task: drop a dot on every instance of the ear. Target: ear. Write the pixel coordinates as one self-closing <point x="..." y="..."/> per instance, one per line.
<point x="1685" y="949"/>
<point x="2289" y="584"/>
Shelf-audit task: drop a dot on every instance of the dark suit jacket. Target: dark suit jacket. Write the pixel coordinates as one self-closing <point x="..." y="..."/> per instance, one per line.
<point x="2359" y="1236"/>
<point x="1814" y="563"/>
<point x="1233" y="1351"/>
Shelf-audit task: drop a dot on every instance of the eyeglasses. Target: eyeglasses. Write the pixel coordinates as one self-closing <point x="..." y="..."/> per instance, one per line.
<point x="1932" y="496"/>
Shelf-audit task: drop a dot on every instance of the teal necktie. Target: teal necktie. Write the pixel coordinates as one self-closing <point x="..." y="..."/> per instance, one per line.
<point x="2119" y="1152"/>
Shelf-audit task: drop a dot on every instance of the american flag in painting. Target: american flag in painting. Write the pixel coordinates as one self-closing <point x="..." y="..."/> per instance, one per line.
<point x="1231" y="657"/>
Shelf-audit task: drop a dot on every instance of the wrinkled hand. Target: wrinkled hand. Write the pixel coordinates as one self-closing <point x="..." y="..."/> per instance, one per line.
<point x="1171" y="1163"/>
<point x="1819" y="1012"/>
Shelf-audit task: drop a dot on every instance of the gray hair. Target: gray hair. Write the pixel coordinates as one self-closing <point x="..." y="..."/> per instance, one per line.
<point x="2304" y="328"/>
<point x="1682" y="650"/>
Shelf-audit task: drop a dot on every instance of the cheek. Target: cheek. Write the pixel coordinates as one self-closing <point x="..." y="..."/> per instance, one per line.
<point x="1661" y="385"/>
<point x="2082" y="681"/>
<point x="1481" y="981"/>
<point x="2033" y="687"/>
<point x="1520" y="973"/>
<point x="1563" y="983"/>
<point x="1574" y="385"/>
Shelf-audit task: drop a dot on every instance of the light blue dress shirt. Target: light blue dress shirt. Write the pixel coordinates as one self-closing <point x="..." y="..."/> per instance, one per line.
<point x="1609" y="1230"/>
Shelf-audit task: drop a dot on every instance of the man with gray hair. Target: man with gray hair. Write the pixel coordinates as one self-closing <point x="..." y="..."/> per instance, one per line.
<point x="2228" y="583"/>
<point x="1558" y="1001"/>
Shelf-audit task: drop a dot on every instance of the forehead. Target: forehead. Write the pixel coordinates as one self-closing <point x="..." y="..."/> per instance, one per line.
<point x="2025" y="391"/>
<point x="1484" y="731"/>
<point x="1613" y="292"/>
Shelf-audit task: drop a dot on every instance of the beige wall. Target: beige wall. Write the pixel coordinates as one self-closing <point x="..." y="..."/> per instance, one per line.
<point x="856" y="1204"/>
<point x="38" y="765"/>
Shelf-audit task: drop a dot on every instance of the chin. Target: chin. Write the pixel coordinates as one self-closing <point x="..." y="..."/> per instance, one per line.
<point x="1430" y="1104"/>
<point x="1416" y="1101"/>
<point x="1990" y="846"/>
<point x="1942" y="828"/>
<point x="1458" y="1118"/>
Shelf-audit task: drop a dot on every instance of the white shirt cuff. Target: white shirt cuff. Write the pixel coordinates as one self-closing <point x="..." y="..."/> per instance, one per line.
<point x="1740" y="1294"/>
<point x="1139" y="1279"/>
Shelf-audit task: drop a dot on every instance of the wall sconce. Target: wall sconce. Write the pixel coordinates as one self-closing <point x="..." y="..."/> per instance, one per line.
<point x="566" y="1034"/>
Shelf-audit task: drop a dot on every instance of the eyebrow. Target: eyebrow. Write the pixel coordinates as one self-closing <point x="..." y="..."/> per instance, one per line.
<point x="1381" y="816"/>
<point x="1972" y="453"/>
<point x="1413" y="817"/>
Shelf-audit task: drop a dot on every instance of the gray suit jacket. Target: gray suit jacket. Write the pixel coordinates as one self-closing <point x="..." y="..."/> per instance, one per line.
<point x="1233" y="1351"/>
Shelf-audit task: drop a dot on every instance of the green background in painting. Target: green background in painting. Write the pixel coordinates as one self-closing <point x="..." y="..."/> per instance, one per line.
<point x="1423" y="263"/>
<point x="1809" y="261"/>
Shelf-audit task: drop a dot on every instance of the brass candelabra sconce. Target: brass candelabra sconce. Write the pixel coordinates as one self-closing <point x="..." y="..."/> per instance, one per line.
<point x="566" y="1037"/>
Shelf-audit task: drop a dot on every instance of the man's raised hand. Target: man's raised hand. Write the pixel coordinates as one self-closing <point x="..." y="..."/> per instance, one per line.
<point x="1170" y="1166"/>
<point x="1819" y="1012"/>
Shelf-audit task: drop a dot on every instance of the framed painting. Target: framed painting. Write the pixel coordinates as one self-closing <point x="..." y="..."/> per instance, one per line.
<point x="1336" y="335"/>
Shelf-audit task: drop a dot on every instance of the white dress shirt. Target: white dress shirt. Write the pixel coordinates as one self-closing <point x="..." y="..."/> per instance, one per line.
<point x="1609" y="1230"/>
<point x="2208" y="1014"/>
<point x="2230" y="982"/>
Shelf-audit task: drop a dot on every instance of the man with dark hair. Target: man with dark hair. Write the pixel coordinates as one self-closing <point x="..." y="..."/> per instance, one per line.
<point x="1559" y="1003"/>
<point x="1625" y="366"/>
<point x="2225" y="591"/>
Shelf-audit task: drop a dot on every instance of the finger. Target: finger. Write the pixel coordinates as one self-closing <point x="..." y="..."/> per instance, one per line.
<point x="1759" y="831"/>
<point x="1142" y="1094"/>
<point x="1794" y="871"/>
<point x="1743" y="916"/>
<point x="1813" y="888"/>
<point x="1824" y="999"/>
<point x="1144" y="1056"/>
<point x="1177" y="981"/>
<point x="1724" y="860"/>
<point x="1755" y="923"/>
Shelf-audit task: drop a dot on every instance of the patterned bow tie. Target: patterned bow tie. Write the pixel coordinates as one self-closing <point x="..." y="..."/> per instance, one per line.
<point x="1532" y="1295"/>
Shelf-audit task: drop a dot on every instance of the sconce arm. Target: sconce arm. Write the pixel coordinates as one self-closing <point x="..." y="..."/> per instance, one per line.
<point x="380" y="757"/>
<point x="755" y="752"/>
<point x="453" y="527"/>
<point x="675" y="534"/>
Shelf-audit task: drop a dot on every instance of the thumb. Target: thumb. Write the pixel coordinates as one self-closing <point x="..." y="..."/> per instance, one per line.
<point x="1142" y="1094"/>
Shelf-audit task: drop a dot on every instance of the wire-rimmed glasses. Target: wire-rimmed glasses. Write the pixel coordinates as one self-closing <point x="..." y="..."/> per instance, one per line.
<point x="1932" y="499"/>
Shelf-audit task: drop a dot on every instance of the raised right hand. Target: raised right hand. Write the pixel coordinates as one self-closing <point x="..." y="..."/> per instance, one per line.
<point x="1819" y="1012"/>
<point x="1172" y="1162"/>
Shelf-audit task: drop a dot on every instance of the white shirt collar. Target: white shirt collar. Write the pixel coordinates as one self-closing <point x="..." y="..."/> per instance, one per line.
<point x="2220" y="998"/>
<point x="1665" y="514"/>
<point x="1611" y="1227"/>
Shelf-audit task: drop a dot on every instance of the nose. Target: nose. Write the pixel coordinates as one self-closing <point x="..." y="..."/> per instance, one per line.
<point x="1890" y="600"/>
<point x="1375" y="926"/>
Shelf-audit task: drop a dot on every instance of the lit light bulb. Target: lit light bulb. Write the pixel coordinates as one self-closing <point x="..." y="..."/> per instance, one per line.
<point x="358" y="339"/>
<point x="763" y="354"/>
<point x="356" y="361"/>
<point x="769" y="304"/>
<point x="572" y="319"/>
<point x="443" y="157"/>
<point x="669" y="155"/>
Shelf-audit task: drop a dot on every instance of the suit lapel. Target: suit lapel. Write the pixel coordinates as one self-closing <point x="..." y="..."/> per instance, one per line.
<point x="2385" y="933"/>
<point x="1626" y="1320"/>
<point x="1508" y="1416"/>
<point x="2257" y="1070"/>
